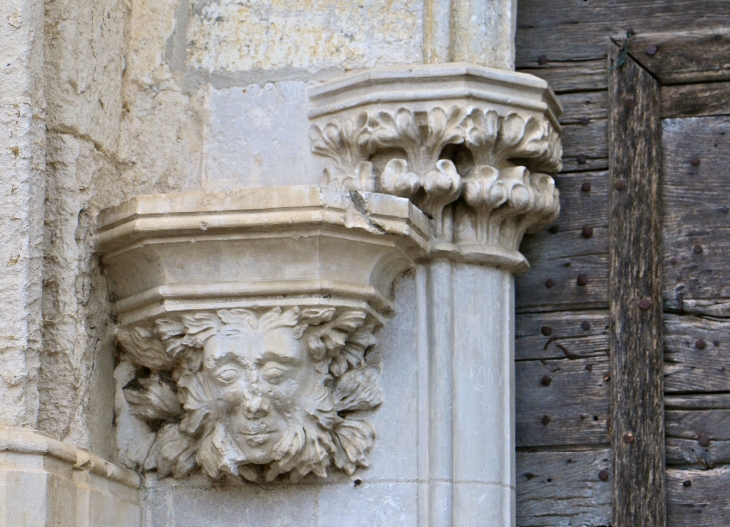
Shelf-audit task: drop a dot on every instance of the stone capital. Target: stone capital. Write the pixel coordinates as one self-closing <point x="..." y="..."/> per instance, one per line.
<point x="472" y="147"/>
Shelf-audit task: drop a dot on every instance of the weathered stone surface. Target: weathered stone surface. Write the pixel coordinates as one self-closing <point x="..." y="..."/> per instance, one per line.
<point x="240" y="36"/>
<point x="45" y="482"/>
<point x="22" y="163"/>
<point x="83" y="65"/>
<point x="258" y="137"/>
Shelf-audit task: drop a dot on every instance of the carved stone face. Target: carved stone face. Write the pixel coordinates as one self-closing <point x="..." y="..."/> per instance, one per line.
<point x="258" y="382"/>
<point x="259" y="394"/>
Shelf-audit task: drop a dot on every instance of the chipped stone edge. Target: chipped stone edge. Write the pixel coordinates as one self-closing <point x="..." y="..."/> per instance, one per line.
<point x="28" y="441"/>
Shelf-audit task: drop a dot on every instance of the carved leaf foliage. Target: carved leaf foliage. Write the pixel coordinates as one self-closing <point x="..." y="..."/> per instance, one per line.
<point x="302" y="452"/>
<point x="441" y="187"/>
<point x="328" y="339"/>
<point x="546" y="202"/>
<point x="358" y="390"/>
<point x="152" y="399"/>
<point x="494" y="139"/>
<point x="354" y="438"/>
<point x="218" y="453"/>
<point x="198" y="402"/>
<point x="145" y="348"/>
<point x="397" y="180"/>
<point x="172" y="453"/>
<point x="195" y="433"/>
<point x="489" y="188"/>
<point x="349" y="144"/>
<point x="353" y="352"/>
<point x="424" y="142"/>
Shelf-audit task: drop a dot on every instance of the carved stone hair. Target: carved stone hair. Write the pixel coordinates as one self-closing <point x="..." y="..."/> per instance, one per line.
<point x="189" y="434"/>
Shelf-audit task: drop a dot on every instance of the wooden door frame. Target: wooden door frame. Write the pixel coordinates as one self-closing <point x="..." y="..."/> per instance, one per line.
<point x="638" y="69"/>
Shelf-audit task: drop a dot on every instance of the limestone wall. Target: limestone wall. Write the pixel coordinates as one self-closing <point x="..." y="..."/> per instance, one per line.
<point x="104" y="100"/>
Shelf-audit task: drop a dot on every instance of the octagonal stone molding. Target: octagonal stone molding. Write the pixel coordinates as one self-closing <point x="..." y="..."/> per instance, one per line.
<point x="471" y="147"/>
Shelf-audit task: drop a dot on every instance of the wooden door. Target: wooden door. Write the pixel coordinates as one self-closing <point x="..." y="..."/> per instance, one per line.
<point x="623" y="401"/>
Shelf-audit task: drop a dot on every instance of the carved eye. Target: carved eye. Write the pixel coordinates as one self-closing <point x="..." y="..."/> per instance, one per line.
<point x="274" y="372"/>
<point x="228" y="375"/>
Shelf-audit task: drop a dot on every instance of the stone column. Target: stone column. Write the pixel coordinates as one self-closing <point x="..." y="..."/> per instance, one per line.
<point x="471" y="31"/>
<point x="466" y="355"/>
<point x="471" y="147"/>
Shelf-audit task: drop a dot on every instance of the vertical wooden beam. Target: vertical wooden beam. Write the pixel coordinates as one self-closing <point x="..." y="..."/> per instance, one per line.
<point x="635" y="294"/>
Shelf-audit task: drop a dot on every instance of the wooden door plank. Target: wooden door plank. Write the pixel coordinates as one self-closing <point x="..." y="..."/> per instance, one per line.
<point x="698" y="498"/>
<point x="684" y="57"/>
<point x="556" y="489"/>
<point x="696" y="100"/>
<point x="635" y="285"/>
<point x="576" y="30"/>
<point x="562" y="402"/>
<point x="696" y="197"/>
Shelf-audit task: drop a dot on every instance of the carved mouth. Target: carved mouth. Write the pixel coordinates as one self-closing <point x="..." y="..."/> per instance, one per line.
<point x="257" y="438"/>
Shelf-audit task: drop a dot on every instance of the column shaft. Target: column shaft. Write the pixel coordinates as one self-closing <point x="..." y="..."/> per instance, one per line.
<point x="467" y="404"/>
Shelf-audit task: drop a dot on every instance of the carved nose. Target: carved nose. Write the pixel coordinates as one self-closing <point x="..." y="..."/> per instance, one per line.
<point x="255" y="406"/>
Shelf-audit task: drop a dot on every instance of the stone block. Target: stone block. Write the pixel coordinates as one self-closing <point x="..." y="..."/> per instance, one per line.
<point x="381" y="504"/>
<point x="258" y="137"/>
<point x="236" y="36"/>
<point x="169" y="505"/>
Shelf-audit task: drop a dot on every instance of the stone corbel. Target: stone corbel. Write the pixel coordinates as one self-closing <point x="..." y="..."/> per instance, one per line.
<point x="251" y="315"/>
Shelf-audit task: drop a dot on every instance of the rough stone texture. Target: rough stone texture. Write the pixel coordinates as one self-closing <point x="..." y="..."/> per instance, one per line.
<point x="484" y="32"/>
<point x="22" y="151"/>
<point x="235" y="35"/>
<point x="76" y="398"/>
<point x="83" y="71"/>
<point x="83" y="68"/>
<point x="21" y="183"/>
<point x="162" y="124"/>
